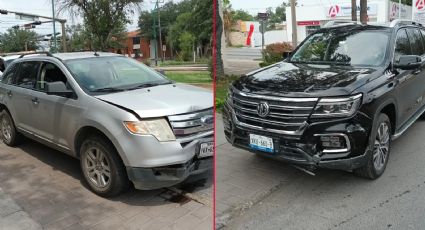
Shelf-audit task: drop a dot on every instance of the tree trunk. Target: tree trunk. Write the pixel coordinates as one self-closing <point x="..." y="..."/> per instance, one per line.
<point x="354" y="10"/>
<point x="219" y="67"/>
<point x="363" y="11"/>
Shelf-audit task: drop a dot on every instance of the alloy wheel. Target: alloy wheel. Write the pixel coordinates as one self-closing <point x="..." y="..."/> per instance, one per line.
<point x="97" y="168"/>
<point x="381" y="146"/>
<point x="6" y="129"/>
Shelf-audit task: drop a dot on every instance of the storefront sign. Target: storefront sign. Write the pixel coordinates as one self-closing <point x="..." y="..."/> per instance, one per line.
<point x="418" y="11"/>
<point x="308" y="23"/>
<point x="344" y="10"/>
<point x="395" y="11"/>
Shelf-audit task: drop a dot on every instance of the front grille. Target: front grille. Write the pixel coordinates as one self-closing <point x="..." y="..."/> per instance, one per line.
<point x="286" y="115"/>
<point x="191" y="126"/>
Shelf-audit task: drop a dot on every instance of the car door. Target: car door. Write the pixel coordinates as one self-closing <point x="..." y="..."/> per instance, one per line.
<point x="407" y="79"/>
<point x="19" y="81"/>
<point x="54" y="116"/>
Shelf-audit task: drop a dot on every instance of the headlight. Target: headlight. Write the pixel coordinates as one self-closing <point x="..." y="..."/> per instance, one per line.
<point x="157" y="127"/>
<point x="337" y="107"/>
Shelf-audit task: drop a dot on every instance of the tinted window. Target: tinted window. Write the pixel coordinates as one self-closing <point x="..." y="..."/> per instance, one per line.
<point x="50" y="73"/>
<point x="415" y="41"/>
<point x="10" y="74"/>
<point x="402" y="46"/>
<point x="27" y="75"/>
<point x="345" y="47"/>
<point x="423" y="38"/>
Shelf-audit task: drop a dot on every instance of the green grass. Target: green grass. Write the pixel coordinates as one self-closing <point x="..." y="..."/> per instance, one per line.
<point x="221" y="91"/>
<point x="179" y="63"/>
<point x="189" y="77"/>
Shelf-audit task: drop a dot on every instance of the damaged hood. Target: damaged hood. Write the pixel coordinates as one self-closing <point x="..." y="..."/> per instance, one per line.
<point x="163" y="100"/>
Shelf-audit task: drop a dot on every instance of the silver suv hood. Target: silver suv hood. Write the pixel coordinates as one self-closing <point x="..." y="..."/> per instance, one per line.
<point x="162" y="100"/>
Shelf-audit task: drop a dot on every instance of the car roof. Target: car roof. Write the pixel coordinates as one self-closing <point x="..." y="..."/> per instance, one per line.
<point x="71" y="56"/>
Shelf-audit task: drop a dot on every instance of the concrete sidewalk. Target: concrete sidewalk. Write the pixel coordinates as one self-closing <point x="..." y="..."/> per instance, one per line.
<point x="243" y="179"/>
<point x="12" y="216"/>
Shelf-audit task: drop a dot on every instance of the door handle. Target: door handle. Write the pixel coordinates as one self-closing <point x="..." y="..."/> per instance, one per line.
<point x="35" y="100"/>
<point x="9" y="93"/>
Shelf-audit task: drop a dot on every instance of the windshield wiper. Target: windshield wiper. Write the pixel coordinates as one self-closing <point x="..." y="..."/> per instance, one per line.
<point x="146" y="85"/>
<point x="107" y="89"/>
<point x="321" y="63"/>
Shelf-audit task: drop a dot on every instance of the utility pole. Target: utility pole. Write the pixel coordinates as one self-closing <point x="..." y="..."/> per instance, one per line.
<point x="363" y="11"/>
<point x="294" y="24"/>
<point x="54" y="26"/>
<point x="399" y="9"/>
<point x="354" y="10"/>
<point x="154" y="38"/>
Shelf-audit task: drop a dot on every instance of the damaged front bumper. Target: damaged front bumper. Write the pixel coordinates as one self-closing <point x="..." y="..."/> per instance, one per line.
<point x="305" y="150"/>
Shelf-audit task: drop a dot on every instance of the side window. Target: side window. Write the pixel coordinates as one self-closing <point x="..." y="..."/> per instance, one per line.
<point x="10" y="74"/>
<point x="423" y="37"/>
<point x="402" y="46"/>
<point x="415" y="41"/>
<point x="27" y="75"/>
<point x="49" y="73"/>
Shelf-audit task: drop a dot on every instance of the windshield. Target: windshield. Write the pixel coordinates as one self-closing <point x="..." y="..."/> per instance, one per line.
<point x="349" y="47"/>
<point x="113" y="74"/>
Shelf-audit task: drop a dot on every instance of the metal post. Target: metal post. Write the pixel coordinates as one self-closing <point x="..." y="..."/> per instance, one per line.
<point x="263" y="29"/>
<point x="399" y="9"/>
<point x="294" y="24"/>
<point x="154" y="38"/>
<point x="64" y="46"/>
<point x="54" y="25"/>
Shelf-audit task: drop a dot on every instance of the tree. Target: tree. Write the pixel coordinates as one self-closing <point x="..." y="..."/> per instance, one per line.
<point x="277" y="16"/>
<point x="15" y="40"/>
<point x="105" y="19"/>
<point x="218" y="58"/>
<point x="242" y="15"/>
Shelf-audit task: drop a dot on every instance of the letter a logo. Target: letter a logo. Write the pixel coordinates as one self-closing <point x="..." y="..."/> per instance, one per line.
<point x="420" y="4"/>
<point x="333" y="11"/>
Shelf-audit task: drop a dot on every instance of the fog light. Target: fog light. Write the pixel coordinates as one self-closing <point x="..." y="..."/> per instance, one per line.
<point x="333" y="142"/>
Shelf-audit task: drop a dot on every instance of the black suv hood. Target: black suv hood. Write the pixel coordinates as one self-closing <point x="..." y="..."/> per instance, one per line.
<point x="305" y="80"/>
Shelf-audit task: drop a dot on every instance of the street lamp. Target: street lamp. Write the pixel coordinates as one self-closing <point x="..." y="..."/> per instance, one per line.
<point x="54" y="26"/>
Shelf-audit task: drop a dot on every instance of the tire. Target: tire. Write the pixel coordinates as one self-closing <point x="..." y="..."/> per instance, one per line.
<point x="9" y="134"/>
<point x="377" y="161"/>
<point x="102" y="168"/>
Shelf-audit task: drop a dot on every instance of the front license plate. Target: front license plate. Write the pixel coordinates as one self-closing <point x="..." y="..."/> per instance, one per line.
<point x="261" y="143"/>
<point x="206" y="150"/>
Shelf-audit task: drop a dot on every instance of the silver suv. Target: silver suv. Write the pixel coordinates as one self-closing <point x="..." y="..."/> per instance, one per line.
<point x="125" y="122"/>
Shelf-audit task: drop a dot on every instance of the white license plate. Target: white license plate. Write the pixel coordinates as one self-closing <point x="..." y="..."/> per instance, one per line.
<point x="206" y="150"/>
<point x="261" y="143"/>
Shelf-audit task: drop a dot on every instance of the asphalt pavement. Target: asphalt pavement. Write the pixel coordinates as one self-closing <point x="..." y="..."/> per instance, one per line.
<point x="240" y="61"/>
<point x="264" y="194"/>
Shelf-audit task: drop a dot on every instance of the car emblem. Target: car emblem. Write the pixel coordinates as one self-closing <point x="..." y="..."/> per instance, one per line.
<point x="207" y="120"/>
<point x="263" y="109"/>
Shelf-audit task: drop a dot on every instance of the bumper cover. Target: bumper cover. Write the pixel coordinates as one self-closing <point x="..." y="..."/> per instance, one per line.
<point x="304" y="151"/>
<point x="167" y="176"/>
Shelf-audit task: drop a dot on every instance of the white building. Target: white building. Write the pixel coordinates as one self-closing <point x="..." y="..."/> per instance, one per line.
<point x="311" y="17"/>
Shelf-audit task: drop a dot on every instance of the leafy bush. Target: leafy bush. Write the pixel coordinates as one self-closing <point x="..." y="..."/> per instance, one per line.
<point x="273" y="53"/>
<point x="219" y="104"/>
<point x="186" y="44"/>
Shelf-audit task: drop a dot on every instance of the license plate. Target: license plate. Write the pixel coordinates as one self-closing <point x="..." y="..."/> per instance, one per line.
<point x="206" y="150"/>
<point x="261" y="143"/>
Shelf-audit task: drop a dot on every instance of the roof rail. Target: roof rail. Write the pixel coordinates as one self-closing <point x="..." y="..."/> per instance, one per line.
<point x="336" y="23"/>
<point x="38" y="52"/>
<point x="404" y="22"/>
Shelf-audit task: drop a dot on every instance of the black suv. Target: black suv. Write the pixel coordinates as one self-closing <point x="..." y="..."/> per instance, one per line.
<point x="336" y="102"/>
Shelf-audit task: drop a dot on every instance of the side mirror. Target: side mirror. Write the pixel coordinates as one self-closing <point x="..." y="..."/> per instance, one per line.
<point x="286" y="54"/>
<point x="408" y="62"/>
<point x="58" y="88"/>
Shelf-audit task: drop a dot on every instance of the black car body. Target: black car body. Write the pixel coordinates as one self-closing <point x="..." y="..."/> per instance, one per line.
<point x="333" y="110"/>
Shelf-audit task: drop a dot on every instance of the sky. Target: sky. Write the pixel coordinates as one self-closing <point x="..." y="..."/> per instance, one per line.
<point x="44" y="7"/>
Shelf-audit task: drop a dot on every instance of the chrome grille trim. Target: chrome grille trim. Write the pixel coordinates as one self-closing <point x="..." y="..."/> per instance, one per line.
<point x="287" y="116"/>
<point x="189" y="127"/>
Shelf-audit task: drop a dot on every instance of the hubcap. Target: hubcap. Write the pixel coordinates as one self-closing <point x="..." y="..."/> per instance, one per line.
<point x="381" y="146"/>
<point x="6" y="129"/>
<point x="97" y="167"/>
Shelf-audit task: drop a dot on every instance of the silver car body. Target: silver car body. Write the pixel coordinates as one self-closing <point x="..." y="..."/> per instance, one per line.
<point x="58" y="121"/>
